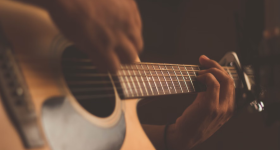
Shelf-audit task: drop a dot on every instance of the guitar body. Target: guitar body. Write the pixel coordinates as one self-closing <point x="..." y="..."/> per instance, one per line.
<point x="62" y="122"/>
<point x="53" y="98"/>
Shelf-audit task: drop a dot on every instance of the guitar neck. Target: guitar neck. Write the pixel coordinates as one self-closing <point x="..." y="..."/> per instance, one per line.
<point x="154" y="79"/>
<point x="136" y="80"/>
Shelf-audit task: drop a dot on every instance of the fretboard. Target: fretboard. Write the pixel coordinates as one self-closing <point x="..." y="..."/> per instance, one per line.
<point x="153" y="79"/>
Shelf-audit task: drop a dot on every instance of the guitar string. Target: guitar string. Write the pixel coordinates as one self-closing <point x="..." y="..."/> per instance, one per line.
<point x="160" y="64"/>
<point x="108" y="81"/>
<point x="129" y="69"/>
<point x="109" y="87"/>
<point x="140" y="87"/>
<point x="94" y="68"/>
<point x="183" y="65"/>
<point x="128" y="81"/>
<point x="133" y="76"/>
<point x="75" y="90"/>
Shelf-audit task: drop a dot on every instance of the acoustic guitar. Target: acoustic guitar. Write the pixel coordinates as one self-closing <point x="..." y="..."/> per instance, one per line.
<point x="52" y="97"/>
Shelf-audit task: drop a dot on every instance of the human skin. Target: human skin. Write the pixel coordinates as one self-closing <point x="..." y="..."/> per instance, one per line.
<point x="209" y="111"/>
<point x="109" y="31"/>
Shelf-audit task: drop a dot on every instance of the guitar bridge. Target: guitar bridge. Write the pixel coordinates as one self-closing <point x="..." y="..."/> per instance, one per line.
<point x="16" y="99"/>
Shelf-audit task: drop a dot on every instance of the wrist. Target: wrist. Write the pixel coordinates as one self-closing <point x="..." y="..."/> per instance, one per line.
<point x="172" y="138"/>
<point x="176" y="140"/>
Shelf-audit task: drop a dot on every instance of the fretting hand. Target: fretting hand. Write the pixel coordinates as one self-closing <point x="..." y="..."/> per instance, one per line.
<point x="209" y="111"/>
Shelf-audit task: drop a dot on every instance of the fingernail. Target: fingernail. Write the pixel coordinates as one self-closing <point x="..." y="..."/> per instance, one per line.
<point x="205" y="57"/>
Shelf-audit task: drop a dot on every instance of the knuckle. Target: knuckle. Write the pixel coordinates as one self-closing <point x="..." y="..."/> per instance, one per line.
<point x="216" y="84"/>
<point x="229" y="81"/>
<point x="214" y="113"/>
<point x="213" y="110"/>
<point x="213" y="70"/>
<point x="209" y="76"/>
<point x="213" y="80"/>
<point x="215" y="63"/>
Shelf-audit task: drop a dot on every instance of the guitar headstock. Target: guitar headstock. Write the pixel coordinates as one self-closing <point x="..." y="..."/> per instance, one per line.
<point x="244" y="83"/>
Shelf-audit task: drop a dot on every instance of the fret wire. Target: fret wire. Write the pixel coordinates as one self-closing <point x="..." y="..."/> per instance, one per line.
<point x="230" y="75"/>
<point x="190" y="78"/>
<point x="104" y="82"/>
<point x="136" y="92"/>
<point x="155" y="75"/>
<point x="138" y="83"/>
<point x="159" y="79"/>
<point x="156" y="69"/>
<point x="95" y="89"/>
<point x="163" y="64"/>
<point x="183" y="78"/>
<point x="92" y="67"/>
<point x="165" y="80"/>
<point x="171" y="80"/>
<point x="130" y="88"/>
<point x="100" y="75"/>
<point x="88" y="89"/>
<point x="194" y="71"/>
<point x="154" y="87"/>
<point x="182" y="65"/>
<point x="177" y="79"/>
<point x="89" y="60"/>
<point x="148" y="80"/>
<point x="153" y="80"/>
<point x="124" y="85"/>
<point x="142" y="80"/>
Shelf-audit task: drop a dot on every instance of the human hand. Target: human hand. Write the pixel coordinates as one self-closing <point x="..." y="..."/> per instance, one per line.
<point x="209" y="111"/>
<point x="109" y="31"/>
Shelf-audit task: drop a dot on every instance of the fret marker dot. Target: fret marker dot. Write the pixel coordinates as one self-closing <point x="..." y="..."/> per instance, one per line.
<point x="170" y="87"/>
<point x="186" y="77"/>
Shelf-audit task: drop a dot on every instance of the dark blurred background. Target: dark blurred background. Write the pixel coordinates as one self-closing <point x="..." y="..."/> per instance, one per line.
<point x="179" y="31"/>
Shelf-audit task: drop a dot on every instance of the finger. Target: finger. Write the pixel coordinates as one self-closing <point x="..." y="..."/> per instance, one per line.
<point x="135" y="36"/>
<point x="219" y="74"/>
<point x="208" y="63"/>
<point x="106" y="60"/>
<point x="99" y="50"/>
<point x="226" y="83"/>
<point x="126" y="51"/>
<point x="213" y="88"/>
<point x="134" y="29"/>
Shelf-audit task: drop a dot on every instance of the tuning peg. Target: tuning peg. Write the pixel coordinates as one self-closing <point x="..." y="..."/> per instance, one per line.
<point x="256" y="106"/>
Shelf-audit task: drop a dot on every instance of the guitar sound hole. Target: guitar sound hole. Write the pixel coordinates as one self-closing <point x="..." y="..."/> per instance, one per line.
<point x="93" y="90"/>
